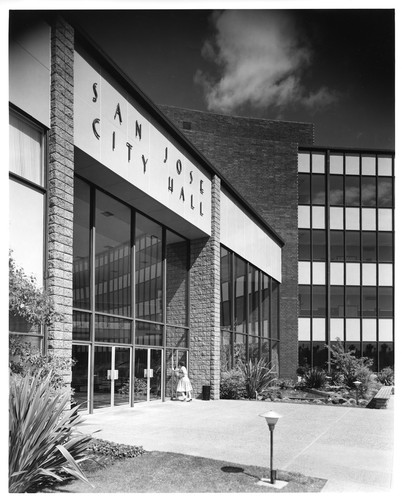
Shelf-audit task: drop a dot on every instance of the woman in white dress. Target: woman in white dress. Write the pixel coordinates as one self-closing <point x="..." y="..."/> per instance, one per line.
<point x="184" y="386"/>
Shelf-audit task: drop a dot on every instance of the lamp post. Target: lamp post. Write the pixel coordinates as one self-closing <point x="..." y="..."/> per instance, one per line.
<point x="357" y="384"/>
<point x="271" y="418"/>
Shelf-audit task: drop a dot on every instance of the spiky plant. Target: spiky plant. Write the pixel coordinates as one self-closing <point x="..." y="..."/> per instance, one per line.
<point x="44" y="445"/>
<point x="258" y="374"/>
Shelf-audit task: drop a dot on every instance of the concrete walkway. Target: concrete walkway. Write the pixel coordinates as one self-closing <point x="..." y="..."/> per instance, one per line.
<point x="350" y="447"/>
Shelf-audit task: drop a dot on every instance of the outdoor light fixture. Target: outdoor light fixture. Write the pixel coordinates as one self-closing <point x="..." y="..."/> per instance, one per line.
<point x="271" y="418"/>
<point x="357" y="384"/>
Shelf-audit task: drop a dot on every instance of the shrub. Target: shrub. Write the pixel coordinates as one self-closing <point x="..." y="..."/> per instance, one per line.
<point x="114" y="450"/>
<point x="347" y="364"/>
<point x="44" y="445"/>
<point x="386" y="376"/>
<point x="285" y="383"/>
<point x="315" y="378"/>
<point x="233" y="384"/>
<point x="258" y="374"/>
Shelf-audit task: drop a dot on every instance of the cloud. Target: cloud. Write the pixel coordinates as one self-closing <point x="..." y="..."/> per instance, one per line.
<point x="260" y="59"/>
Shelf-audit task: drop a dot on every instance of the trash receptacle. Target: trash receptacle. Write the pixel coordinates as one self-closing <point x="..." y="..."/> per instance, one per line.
<point x="206" y="392"/>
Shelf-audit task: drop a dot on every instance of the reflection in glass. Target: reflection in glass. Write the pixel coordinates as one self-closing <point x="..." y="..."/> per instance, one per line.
<point x="337" y="242"/>
<point x="265" y="305"/>
<point x="320" y="354"/>
<point x="112" y="258"/>
<point x="368" y="191"/>
<point x="81" y="325"/>
<point x="385" y="247"/>
<point x="148" y="334"/>
<point x="317" y="190"/>
<point x="274" y="309"/>
<point x="304" y="189"/>
<point x="336" y="190"/>
<point x="253" y="348"/>
<point x="304" y="300"/>
<point x="102" y="376"/>
<point x="110" y="329"/>
<point x="386" y="355"/>
<point x="253" y="300"/>
<point x="79" y="375"/>
<point x="176" y="279"/>
<point x="176" y="337"/>
<point x="226" y="289"/>
<point x="319" y="245"/>
<point x="352" y="301"/>
<point x="369" y="249"/>
<point x="370" y="351"/>
<point x="319" y="301"/>
<point x="240" y="294"/>
<point x="385" y="192"/>
<point x="122" y="376"/>
<point x="369" y="299"/>
<point x="337" y="301"/>
<point x="239" y="348"/>
<point x="354" y="348"/>
<point x="148" y="269"/>
<point x="304" y="354"/>
<point x="304" y="244"/>
<point x="81" y="245"/>
<point x="226" y="350"/>
<point x="352" y="190"/>
<point x="385" y="302"/>
<point x="352" y="245"/>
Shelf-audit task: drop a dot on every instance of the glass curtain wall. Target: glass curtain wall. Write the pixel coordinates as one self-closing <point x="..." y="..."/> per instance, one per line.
<point x="130" y="293"/>
<point x="346" y="258"/>
<point x="249" y="312"/>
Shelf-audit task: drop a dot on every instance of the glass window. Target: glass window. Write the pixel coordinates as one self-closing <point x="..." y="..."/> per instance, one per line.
<point x="369" y="299"/>
<point x="109" y="329"/>
<point x="352" y="246"/>
<point x="265" y="298"/>
<point x="26" y="149"/>
<point x="318" y="163"/>
<point x="176" y="279"/>
<point x="112" y="256"/>
<point x="149" y="333"/>
<point x="319" y="300"/>
<point x="304" y="216"/>
<point x="353" y="329"/>
<point x="336" y="218"/>
<point x="385" y="192"/>
<point x="337" y="245"/>
<point x="274" y="309"/>
<point x="369" y="219"/>
<point x="385" y="219"/>
<point x="352" y="301"/>
<point x="319" y="277"/>
<point x="304" y="329"/>
<point x="369" y="277"/>
<point x="337" y="329"/>
<point x="253" y="300"/>
<point x="240" y="294"/>
<point x="318" y="328"/>
<point x="81" y="245"/>
<point x="385" y="330"/>
<point x="319" y="245"/>
<point x="385" y="247"/>
<point x="317" y="190"/>
<point x="175" y="337"/>
<point x="304" y="162"/>
<point x="354" y="347"/>
<point x="318" y="218"/>
<point x="253" y="348"/>
<point x="369" y="195"/>
<point x="386" y="355"/>
<point x="337" y="273"/>
<point x="320" y="355"/>
<point x="226" y="289"/>
<point x="385" y="166"/>
<point x="352" y="191"/>
<point x="304" y="189"/>
<point x="81" y="326"/>
<point x="385" y="274"/>
<point x="305" y="354"/>
<point x="385" y="302"/>
<point x="304" y="244"/>
<point x="352" y="164"/>
<point x="352" y="274"/>
<point x="304" y="292"/>
<point x="304" y="273"/>
<point x="370" y="351"/>
<point x="352" y="218"/>
<point x="337" y="301"/>
<point x="369" y="249"/>
<point x="336" y="190"/>
<point x="336" y="164"/>
<point x="368" y="165"/>
<point x="369" y="330"/>
<point x="239" y="348"/>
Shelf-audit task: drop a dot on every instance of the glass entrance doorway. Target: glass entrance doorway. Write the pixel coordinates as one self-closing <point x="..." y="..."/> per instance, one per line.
<point x="111" y="376"/>
<point x="173" y="358"/>
<point x="147" y="374"/>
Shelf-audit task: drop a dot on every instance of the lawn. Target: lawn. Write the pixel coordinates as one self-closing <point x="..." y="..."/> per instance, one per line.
<point x="163" y="472"/>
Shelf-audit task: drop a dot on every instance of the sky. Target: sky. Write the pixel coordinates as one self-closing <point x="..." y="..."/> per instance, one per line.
<point x="334" y="68"/>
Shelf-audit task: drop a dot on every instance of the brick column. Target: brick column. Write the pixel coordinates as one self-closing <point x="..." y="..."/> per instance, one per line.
<point x="61" y="187"/>
<point x="205" y="304"/>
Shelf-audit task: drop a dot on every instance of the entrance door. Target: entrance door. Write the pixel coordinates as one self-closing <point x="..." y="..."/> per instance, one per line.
<point x="173" y="358"/>
<point x="148" y="374"/>
<point x="111" y="376"/>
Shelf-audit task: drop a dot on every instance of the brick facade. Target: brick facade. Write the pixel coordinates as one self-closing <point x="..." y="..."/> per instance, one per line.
<point x="205" y="304"/>
<point x="61" y="187"/>
<point x="259" y="158"/>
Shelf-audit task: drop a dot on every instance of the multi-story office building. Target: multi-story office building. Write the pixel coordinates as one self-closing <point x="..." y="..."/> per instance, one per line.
<point x="165" y="234"/>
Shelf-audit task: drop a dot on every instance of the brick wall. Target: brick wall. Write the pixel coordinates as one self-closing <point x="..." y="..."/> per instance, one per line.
<point x="205" y="305"/>
<point x="61" y="187"/>
<point x="259" y="158"/>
